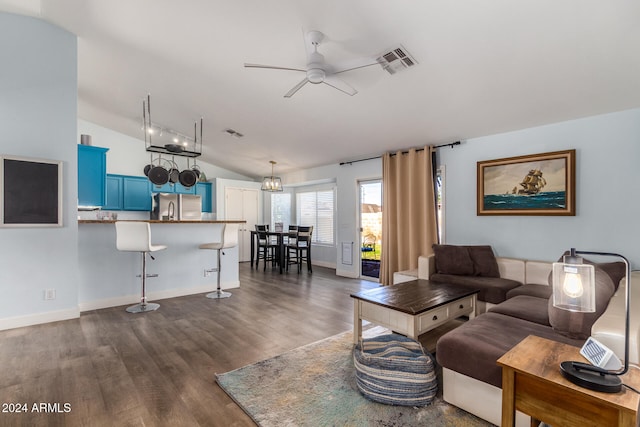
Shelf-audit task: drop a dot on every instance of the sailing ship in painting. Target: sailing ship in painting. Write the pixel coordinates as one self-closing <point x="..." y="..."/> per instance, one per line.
<point x="529" y="196"/>
<point x="531" y="184"/>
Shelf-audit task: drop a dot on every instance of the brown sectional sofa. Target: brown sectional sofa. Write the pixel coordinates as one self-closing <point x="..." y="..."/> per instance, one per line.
<point x="471" y="378"/>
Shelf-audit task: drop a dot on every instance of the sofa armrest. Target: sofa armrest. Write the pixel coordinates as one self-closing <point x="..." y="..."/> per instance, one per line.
<point x="511" y="268"/>
<point x="426" y="266"/>
<point x="609" y="328"/>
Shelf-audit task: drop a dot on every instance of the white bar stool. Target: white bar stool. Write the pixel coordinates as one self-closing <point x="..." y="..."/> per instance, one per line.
<point x="229" y="240"/>
<point x="135" y="236"/>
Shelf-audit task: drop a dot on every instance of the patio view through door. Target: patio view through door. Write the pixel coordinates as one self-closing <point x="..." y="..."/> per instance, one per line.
<point x="370" y="228"/>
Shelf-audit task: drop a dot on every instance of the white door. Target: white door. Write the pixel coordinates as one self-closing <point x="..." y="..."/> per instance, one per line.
<point x="242" y="203"/>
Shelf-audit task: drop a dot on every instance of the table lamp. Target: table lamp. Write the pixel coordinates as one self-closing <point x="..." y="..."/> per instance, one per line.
<point x="574" y="290"/>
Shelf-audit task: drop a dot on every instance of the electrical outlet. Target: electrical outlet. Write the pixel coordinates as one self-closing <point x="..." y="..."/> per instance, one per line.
<point x="49" y="294"/>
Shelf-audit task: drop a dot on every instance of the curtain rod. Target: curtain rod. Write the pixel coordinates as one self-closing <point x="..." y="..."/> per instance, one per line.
<point x="451" y="144"/>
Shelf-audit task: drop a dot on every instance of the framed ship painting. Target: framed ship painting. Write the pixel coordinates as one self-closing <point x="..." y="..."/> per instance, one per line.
<point x="537" y="184"/>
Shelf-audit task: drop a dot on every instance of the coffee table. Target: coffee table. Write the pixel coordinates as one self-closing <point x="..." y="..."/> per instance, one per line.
<point x="412" y="308"/>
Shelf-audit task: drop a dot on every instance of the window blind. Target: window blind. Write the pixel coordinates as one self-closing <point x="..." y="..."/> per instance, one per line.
<point x="317" y="208"/>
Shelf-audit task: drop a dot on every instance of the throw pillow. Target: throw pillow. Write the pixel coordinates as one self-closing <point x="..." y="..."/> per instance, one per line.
<point x="451" y="259"/>
<point x="484" y="261"/>
<point x="578" y="325"/>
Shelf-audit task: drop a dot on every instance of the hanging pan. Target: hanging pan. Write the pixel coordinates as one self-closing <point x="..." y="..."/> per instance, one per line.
<point x="188" y="177"/>
<point x="159" y="175"/>
<point x="174" y="173"/>
<point x="148" y="167"/>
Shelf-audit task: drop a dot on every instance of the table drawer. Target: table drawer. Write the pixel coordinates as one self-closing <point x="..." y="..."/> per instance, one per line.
<point x="434" y="318"/>
<point x="461" y="307"/>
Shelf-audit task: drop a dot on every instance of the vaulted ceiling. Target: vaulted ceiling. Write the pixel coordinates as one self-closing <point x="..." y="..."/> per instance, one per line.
<point x="483" y="67"/>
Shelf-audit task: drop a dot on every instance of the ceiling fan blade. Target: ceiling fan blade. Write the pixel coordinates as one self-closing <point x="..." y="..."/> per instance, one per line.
<point x="354" y="65"/>
<point x="341" y="85"/>
<point x="296" y="88"/>
<point x="272" y="67"/>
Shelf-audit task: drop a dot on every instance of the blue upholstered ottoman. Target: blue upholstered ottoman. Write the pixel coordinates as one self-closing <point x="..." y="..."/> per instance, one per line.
<point x="395" y="370"/>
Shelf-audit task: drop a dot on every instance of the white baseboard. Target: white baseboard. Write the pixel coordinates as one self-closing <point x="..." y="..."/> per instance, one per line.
<point x="347" y="273"/>
<point x="39" y="318"/>
<point x="324" y="264"/>
<point x="152" y="296"/>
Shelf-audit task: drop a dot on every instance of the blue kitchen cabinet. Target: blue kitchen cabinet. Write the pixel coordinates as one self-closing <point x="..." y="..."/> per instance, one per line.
<point x="128" y="193"/>
<point x="92" y="175"/>
<point x="204" y="190"/>
<point x="176" y="188"/>
<point x="115" y="184"/>
<point x="136" y="193"/>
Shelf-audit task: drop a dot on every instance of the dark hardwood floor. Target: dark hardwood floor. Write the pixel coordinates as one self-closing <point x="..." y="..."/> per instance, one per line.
<point x="113" y="368"/>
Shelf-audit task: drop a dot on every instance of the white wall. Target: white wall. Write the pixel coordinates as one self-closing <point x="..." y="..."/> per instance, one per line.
<point x="127" y="155"/>
<point x="607" y="196"/>
<point x="347" y="222"/>
<point x="38" y="109"/>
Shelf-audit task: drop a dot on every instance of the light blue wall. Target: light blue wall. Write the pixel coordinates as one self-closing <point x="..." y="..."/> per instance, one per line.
<point x="607" y="196"/>
<point x="38" y="109"/>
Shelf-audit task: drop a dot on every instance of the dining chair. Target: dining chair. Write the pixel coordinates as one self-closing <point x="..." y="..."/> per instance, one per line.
<point x="300" y="247"/>
<point x="267" y="247"/>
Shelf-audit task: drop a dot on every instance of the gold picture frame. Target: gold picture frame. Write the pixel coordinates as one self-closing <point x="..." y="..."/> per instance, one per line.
<point x="536" y="184"/>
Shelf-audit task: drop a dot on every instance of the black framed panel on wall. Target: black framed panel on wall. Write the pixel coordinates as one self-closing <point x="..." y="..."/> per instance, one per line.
<point x="31" y="192"/>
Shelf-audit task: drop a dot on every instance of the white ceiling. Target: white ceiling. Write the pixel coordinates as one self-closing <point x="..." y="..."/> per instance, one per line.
<point x="484" y="67"/>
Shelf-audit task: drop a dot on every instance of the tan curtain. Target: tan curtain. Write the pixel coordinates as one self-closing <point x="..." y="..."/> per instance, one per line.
<point x="409" y="219"/>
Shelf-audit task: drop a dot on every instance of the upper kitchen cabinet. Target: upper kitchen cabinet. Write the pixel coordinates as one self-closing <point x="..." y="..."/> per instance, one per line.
<point x="128" y="193"/>
<point x="204" y="190"/>
<point x="137" y="193"/>
<point x="92" y="174"/>
<point x="176" y="188"/>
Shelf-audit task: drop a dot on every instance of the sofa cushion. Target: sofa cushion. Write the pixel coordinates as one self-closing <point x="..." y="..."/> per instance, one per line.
<point x="451" y="259"/>
<point x="492" y="289"/>
<point x="525" y="307"/>
<point x="578" y="325"/>
<point x="540" y="291"/>
<point x="473" y="348"/>
<point x="484" y="261"/>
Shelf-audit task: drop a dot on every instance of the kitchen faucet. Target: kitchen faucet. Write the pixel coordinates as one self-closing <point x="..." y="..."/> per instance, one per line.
<point x="171" y="210"/>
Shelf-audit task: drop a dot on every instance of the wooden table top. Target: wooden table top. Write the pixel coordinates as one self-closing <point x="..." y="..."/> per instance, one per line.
<point x="541" y="357"/>
<point x="416" y="296"/>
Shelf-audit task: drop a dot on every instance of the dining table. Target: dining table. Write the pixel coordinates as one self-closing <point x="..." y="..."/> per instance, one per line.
<point x="280" y="241"/>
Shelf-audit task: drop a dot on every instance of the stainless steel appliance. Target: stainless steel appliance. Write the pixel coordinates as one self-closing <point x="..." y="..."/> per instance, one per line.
<point x="173" y="207"/>
<point x="190" y="207"/>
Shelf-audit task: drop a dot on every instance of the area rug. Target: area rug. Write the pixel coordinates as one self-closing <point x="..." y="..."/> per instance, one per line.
<point x="315" y="385"/>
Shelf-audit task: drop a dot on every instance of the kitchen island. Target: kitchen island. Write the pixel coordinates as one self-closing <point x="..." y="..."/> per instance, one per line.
<point x="108" y="277"/>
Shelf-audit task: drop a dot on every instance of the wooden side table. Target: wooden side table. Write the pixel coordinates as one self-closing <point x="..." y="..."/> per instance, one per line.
<point x="532" y="383"/>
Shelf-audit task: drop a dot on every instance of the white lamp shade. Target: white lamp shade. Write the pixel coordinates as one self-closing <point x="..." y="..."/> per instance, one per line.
<point x="574" y="287"/>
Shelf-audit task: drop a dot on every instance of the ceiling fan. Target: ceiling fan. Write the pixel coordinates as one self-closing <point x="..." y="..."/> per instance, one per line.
<point x="318" y="71"/>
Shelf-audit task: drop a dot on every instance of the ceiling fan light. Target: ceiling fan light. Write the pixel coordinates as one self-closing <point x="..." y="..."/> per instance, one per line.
<point x="315" y="75"/>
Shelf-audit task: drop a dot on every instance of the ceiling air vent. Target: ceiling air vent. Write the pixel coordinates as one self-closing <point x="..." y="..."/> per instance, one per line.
<point x="233" y="133"/>
<point x="396" y="59"/>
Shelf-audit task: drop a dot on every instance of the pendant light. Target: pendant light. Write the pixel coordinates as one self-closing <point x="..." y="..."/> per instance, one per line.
<point x="272" y="183"/>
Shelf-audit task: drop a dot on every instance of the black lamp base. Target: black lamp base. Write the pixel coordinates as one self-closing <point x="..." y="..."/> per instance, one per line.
<point x="597" y="381"/>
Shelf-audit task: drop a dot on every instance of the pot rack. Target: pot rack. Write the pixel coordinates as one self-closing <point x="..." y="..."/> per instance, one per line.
<point x="161" y="140"/>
